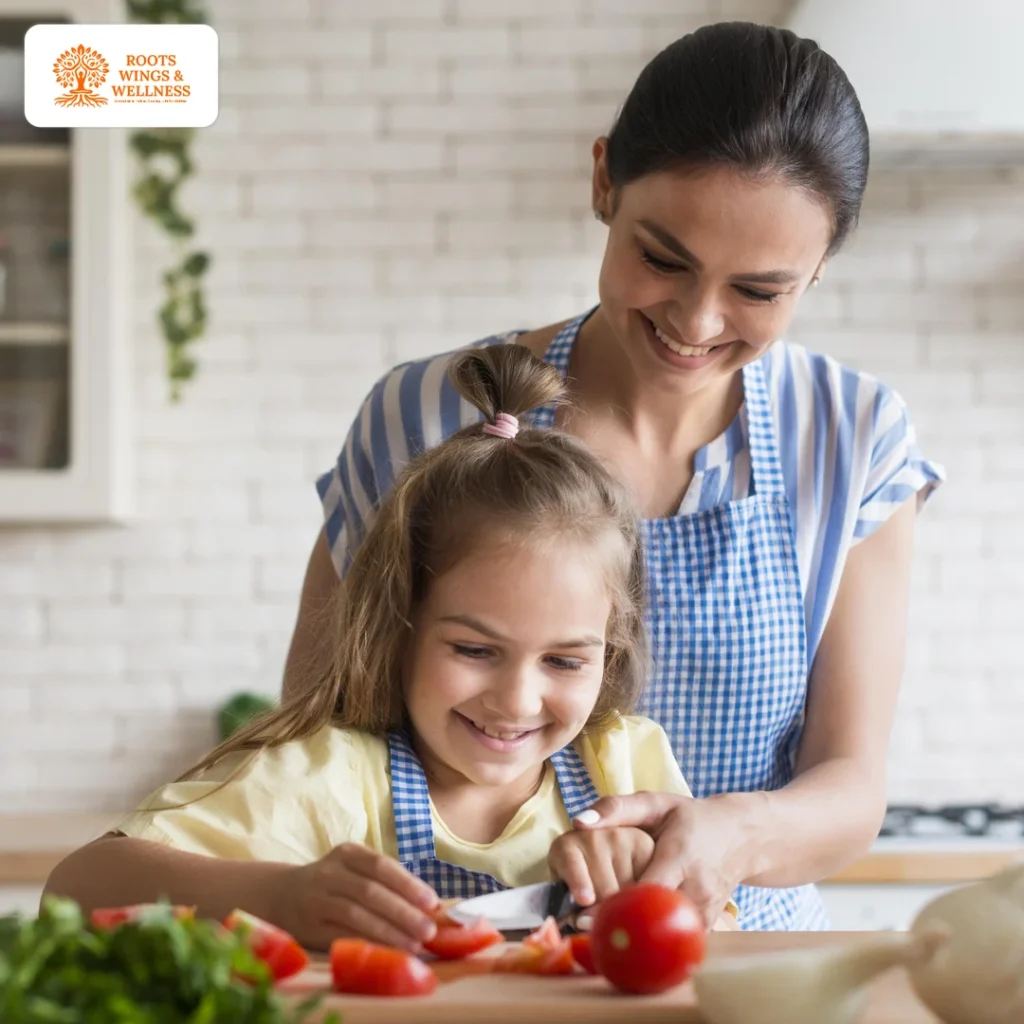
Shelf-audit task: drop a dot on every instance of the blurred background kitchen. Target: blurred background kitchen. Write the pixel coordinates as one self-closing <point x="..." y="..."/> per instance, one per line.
<point x="393" y="178"/>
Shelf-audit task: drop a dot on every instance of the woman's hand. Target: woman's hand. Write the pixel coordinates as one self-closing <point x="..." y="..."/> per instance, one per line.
<point x="354" y="891"/>
<point x="698" y="844"/>
<point x="599" y="863"/>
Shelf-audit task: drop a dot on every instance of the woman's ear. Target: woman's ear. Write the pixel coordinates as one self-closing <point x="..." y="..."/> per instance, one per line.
<point x="600" y="185"/>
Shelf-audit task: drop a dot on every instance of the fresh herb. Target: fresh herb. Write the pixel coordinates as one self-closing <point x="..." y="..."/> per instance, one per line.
<point x="158" y="969"/>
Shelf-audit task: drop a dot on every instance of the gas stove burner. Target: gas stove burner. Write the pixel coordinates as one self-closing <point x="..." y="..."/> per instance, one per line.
<point x="954" y="820"/>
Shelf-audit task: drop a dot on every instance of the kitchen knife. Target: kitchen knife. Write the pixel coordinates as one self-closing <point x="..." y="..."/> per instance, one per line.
<point x="521" y="909"/>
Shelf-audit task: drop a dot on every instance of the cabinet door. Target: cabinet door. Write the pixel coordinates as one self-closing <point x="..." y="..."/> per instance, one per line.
<point x="857" y="908"/>
<point x="64" y="294"/>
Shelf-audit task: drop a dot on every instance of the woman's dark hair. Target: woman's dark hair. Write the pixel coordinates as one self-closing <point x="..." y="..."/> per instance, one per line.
<point x="756" y="98"/>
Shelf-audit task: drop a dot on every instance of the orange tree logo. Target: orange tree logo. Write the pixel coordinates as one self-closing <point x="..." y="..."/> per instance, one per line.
<point x="80" y="70"/>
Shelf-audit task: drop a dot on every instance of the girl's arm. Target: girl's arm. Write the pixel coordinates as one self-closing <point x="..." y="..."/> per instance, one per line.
<point x="352" y="891"/>
<point x="117" y="871"/>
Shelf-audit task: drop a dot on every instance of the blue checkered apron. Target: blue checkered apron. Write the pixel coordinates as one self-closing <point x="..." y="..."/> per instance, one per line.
<point x="726" y="621"/>
<point x="414" y="826"/>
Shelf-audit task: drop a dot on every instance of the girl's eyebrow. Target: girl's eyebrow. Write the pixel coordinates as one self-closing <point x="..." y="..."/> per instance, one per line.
<point x="667" y="239"/>
<point x="588" y="640"/>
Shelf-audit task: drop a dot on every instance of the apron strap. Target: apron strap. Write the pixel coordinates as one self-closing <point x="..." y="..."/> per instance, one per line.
<point x="765" y="461"/>
<point x="410" y="801"/>
<point x="557" y="355"/>
<point x="410" y="797"/>
<point x="574" y="782"/>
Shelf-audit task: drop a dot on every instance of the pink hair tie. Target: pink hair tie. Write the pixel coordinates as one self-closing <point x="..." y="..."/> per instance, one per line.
<point x="503" y="426"/>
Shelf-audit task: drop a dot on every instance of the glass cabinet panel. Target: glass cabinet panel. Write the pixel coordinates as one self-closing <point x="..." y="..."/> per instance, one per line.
<point x="35" y="281"/>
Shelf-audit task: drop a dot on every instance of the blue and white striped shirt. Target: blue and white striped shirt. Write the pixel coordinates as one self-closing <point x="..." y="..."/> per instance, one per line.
<point x="848" y="448"/>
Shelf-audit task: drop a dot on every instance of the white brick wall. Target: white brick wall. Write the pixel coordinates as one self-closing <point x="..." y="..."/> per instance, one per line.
<point x="389" y="179"/>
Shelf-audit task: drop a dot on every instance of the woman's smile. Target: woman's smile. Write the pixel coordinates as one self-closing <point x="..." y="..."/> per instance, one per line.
<point x="678" y="354"/>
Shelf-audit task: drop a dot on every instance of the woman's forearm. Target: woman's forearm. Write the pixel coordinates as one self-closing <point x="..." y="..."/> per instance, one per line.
<point x="120" y="871"/>
<point x="825" y="818"/>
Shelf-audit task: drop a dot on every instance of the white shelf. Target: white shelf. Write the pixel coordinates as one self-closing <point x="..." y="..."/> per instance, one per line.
<point x="34" y="156"/>
<point x="34" y="334"/>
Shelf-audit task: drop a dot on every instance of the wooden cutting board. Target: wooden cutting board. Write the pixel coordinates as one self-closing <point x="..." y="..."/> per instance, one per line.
<point x="512" y="999"/>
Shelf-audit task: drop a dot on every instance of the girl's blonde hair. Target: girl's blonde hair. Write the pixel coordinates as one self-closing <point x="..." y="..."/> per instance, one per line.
<point x="541" y="485"/>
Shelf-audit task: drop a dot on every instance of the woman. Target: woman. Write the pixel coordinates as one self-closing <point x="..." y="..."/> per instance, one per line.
<point x="776" y="486"/>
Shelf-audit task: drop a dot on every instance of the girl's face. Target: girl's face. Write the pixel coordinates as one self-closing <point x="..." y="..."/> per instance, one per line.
<point x="703" y="270"/>
<point x="507" y="660"/>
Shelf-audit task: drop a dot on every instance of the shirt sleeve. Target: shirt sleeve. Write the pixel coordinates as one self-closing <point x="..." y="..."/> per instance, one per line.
<point x="252" y="806"/>
<point x="898" y="470"/>
<point x="349" y="491"/>
<point x="633" y="754"/>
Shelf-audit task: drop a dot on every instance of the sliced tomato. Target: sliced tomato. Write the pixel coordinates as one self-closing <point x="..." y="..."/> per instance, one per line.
<point x="273" y="945"/>
<point x="582" y="952"/>
<point x="452" y="941"/>
<point x="106" y="918"/>
<point x="647" y="938"/>
<point x="547" y="936"/>
<point x="530" y="960"/>
<point x="544" y="951"/>
<point x="363" y="968"/>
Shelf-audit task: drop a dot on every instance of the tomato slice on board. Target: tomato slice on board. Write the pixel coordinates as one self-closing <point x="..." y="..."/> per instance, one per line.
<point x="544" y="951"/>
<point x="110" y="917"/>
<point x="547" y="936"/>
<point x="273" y="945"/>
<point x="646" y="938"/>
<point x="453" y="941"/>
<point x="363" y="968"/>
<point x="582" y="952"/>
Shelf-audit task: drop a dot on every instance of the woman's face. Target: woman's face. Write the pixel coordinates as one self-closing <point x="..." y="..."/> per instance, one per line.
<point x="703" y="270"/>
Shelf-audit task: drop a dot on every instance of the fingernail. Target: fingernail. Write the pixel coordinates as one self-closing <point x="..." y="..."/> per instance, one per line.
<point x="584" y="921"/>
<point x="585" y="897"/>
<point x="588" y="817"/>
<point x="427" y="931"/>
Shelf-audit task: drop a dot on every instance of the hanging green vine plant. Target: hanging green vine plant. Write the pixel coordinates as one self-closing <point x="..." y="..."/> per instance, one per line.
<point x="165" y="162"/>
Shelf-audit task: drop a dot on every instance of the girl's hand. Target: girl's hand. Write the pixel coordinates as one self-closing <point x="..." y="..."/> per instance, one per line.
<point x="599" y="863"/>
<point x="355" y="892"/>
<point x="699" y="844"/>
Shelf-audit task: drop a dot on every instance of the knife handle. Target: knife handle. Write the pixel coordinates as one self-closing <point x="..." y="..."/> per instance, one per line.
<point x="562" y="907"/>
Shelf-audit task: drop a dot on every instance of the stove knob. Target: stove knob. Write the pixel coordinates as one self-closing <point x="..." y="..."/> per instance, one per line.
<point x="975" y="820"/>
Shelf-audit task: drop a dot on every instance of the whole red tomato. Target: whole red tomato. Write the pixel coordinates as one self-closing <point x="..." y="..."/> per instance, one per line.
<point x="646" y="938"/>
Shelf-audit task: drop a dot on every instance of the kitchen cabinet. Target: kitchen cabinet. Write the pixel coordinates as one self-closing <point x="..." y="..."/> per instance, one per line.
<point x="868" y="908"/>
<point x="65" y="439"/>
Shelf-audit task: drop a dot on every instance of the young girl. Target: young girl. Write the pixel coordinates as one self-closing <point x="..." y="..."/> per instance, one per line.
<point x="489" y="646"/>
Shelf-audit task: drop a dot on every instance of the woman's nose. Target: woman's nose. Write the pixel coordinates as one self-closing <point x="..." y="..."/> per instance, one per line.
<point x="698" y="320"/>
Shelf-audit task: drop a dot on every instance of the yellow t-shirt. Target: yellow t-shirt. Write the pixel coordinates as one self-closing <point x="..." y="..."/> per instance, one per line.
<point x="295" y="802"/>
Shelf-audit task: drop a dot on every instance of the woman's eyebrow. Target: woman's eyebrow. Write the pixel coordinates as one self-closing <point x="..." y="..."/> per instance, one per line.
<point x="667" y="239"/>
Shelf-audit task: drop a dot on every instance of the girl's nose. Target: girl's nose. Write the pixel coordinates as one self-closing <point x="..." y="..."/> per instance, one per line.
<point x="516" y="696"/>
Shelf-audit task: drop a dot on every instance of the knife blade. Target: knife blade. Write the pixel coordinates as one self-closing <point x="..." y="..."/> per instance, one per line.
<point x="521" y="909"/>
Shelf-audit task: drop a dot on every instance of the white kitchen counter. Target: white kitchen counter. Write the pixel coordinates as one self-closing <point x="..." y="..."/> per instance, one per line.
<point x="883" y="889"/>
